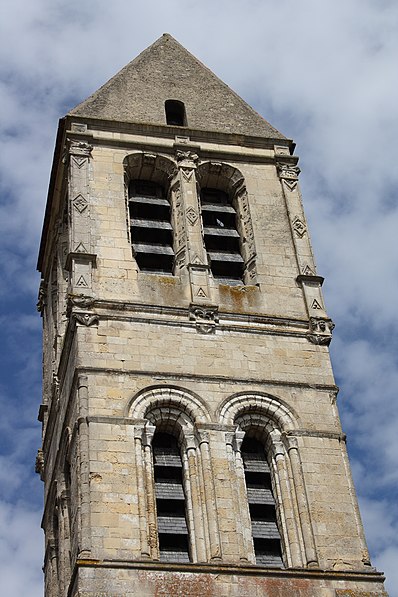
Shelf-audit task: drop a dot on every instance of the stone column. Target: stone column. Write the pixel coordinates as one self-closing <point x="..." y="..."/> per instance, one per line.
<point x="286" y="508"/>
<point x="239" y="493"/>
<point x="80" y="259"/>
<point x="84" y="548"/>
<point x="142" y="510"/>
<point x="321" y="326"/>
<point x="189" y="217"/>
<point x="150" y="491"/>
<point x="302" y="504"/>
<point x="210" y="497"/>
<point x="64" y="540"/>
<point x="193" y="499"/>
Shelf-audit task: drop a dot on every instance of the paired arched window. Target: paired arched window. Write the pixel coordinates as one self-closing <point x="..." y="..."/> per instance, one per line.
<point x="170" y="499"/>
<point x="150" y="226"/>
<point x="261" y="501"/>
<point x="221" y="236"/>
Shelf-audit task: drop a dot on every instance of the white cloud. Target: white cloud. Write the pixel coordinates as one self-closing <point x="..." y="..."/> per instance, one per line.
<point x="20" y="557"/>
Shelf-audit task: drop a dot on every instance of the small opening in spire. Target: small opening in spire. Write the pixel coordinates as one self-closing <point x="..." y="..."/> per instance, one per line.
<point x="175" y="113"/>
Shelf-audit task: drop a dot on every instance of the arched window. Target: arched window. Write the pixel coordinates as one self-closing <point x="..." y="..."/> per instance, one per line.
<point x="221" y="237"/>
<point x="150" y="227"/>
<point x="175" y="113"/>
<point x="170" y="499"/>
<point x="265" y="532"/>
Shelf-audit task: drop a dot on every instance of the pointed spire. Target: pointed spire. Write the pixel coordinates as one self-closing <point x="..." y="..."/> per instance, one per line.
<point x="167" y="71"/>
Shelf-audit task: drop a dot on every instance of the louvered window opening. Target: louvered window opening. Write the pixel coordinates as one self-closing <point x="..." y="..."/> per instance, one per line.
<point x="266" y="537"/>
<point x="150" y="227"/>
<point x="221" y="237"/>
<point x="170" y="499"/>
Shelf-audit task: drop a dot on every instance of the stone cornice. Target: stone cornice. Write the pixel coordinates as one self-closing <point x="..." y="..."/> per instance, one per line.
<point x="171" y="132"/>
<point x="370" y="575"/>
<point x="181" y="317"/>
<point x="225" y="379"/>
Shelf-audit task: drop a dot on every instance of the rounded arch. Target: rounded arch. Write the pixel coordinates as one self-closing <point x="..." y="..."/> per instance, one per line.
<point x="168" y="401"/>
<point x="149" y="166"/>
<point x="260" y="409"/>
<point x="218" y="175"/>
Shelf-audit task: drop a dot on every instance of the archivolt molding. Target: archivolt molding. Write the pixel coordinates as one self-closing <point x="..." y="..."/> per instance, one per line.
<point x="149" y="166"/>
<point x="218" y="175"/>
<point x="159" y="403"/>
<point x="260" y="409"/>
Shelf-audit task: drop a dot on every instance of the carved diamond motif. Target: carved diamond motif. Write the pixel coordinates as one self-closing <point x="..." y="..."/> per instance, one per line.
<point x="80" y="203"/>
<point x="299" y="227"/>
<point x="192" y="216"/>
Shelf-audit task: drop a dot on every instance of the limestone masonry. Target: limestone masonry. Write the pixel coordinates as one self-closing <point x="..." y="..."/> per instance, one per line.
<point x="191" y="440"/>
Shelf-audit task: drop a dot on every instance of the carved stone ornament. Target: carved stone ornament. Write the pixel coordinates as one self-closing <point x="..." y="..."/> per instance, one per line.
<point x="281" y="150"/>
<point x="187" y="156"/>
<point x="192" y="215"/>
<point x="41" y="299"/>
<point x="80" y="300"/>
<point x="287" y="171"/>
<point x="299" y="227"/>
<point x="205" y="318"/>
<point x="80" y="203"/>
<point x="316" y="305"/>
<point x="307" y="271"/>
<point x="320" y="331"/>
<point x="80" y="148"/>
<point x="86" y="319"/>
<point x="39" y="464"/>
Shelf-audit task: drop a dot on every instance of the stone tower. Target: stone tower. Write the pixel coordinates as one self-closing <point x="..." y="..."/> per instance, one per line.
<point x="191" y="440"/>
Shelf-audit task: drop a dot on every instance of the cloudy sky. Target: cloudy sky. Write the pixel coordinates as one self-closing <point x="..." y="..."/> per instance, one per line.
<point x="323" y="72"/>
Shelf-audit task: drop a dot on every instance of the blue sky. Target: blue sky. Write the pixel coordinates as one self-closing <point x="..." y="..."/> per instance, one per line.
<point x="323" y="73"/>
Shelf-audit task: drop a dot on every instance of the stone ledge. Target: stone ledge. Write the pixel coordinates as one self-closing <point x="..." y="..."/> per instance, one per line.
<point x="306" y="573"/>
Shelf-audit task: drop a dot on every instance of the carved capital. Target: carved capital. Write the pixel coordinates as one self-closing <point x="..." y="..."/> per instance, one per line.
<point x="187" y="157"/>
<point x="203" y="436"/>
<point x="187" y="162"/>
<point x="287" y="170"/>
<point x="80" y="148"/>
<point x="148" y="433"/>
<point x="277" y="449"/>
<point x="189" y="440"/>
<point x="204" y="317"/>
<point x="238" y="439"/>
<point x="290" y="441"/>
<point x="320" y="331"/>
<point x="139" y="431"/>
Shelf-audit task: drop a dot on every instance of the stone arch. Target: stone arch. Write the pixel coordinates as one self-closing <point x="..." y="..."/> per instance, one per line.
<point x="219" y="175"/>
<point x="227" y="178"/>
<point x="149" y="166"/>
<point x="259" y="408"/>
<point x="160" y="400"/>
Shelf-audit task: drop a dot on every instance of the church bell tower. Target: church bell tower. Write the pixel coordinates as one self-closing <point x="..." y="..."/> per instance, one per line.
<point x="191" y="439"/>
